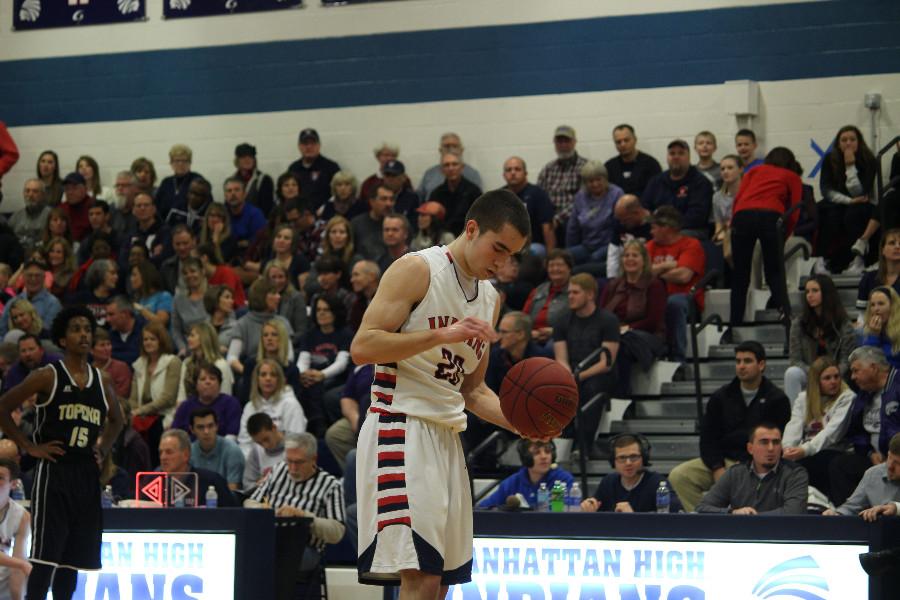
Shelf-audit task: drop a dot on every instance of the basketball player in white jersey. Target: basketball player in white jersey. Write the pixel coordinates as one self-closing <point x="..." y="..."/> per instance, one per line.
<point x="428" y="331"/>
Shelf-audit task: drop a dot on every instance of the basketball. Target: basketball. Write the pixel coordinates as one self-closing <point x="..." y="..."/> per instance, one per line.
<point x="538" y="397"/>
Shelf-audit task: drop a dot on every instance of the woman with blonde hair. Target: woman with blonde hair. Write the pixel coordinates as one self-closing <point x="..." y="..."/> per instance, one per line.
<point x="882" y="323"/>
<point x="819" y="420"/>
<point x="343" y="201"/>
<point x="23" y="319"/>
<point x="154" y="387"/>
<point x="270" y="394"/>
<point x="203" y="347"/>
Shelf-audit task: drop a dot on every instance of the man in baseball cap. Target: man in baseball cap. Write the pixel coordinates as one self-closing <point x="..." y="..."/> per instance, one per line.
<point x="313" y="170"/>
<point x="683" y="187"/>
<point x="405" y="200"/>
<point x="259" y="187"/>
<point x="561" y="178"/>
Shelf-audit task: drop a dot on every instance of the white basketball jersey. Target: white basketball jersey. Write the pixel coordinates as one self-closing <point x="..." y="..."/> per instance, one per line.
<point x="427" y="385"/>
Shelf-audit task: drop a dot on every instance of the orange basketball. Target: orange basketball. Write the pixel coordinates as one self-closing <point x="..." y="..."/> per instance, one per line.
<point x="539" y="397"/>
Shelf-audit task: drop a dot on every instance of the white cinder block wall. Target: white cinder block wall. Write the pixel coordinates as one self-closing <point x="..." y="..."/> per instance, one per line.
<point x="791" y="112"/>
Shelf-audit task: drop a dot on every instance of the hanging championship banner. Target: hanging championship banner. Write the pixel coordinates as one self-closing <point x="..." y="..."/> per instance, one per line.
<point x="177" y="9"/>
<point x="43" y="14"/>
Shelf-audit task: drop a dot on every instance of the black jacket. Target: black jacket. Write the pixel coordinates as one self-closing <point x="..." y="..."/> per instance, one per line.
<point x="726" y="424"/>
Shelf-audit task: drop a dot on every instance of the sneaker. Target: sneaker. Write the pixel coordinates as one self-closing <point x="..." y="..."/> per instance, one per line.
<point x="860" y="247"/>
<point x="820" y="268"/>
<point x="857" y="266"/>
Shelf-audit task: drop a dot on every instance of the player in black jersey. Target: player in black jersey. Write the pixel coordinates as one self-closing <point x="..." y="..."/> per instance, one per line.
<point x="75" y="427"/>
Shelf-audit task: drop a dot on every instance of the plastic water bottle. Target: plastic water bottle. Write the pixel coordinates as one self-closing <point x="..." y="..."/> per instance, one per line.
<point x="179" y="502"/>
<point x="575" y="498"/>
<point x="212" y="498"/>
<point x="106" y="498"/>
<point x="663" y="497"/>
<point x="543" y="498"/>
<point x="558" y="497"/>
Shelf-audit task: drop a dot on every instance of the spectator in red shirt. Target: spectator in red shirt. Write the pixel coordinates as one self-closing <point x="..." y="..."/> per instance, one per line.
<point x="220" y="274"/>
<point x="77" y="205"/>
<point x="766" y="193"/>
<point x="679" y="261"/>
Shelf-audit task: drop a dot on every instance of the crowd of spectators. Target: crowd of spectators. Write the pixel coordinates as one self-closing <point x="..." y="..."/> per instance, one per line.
<point x="226" y="325"/>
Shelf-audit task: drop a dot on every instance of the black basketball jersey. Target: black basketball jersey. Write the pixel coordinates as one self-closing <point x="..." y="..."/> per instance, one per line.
<point x="72" y="415"/>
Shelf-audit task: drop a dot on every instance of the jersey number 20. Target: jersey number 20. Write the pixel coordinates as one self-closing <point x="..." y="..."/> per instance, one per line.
<point x="79" y="438"/>
<point x="451" y="370"/>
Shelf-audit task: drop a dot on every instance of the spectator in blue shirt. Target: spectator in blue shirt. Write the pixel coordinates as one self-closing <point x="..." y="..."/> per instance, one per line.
<point x="212" y="451"/>
<point x="538" y="467"/>
<point x="125" y="329"/>
<point x="246" y="219"/>
<point x="683" y="187"/>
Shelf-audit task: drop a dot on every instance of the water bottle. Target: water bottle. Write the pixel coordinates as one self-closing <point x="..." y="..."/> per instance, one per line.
<point x="179" y="502"/>
<point x="543" y="498"/>
<point x="575" y="498"/>
<point x="17" y="493"/>
<point x="106" y="498"/>
<point x="663" y="497"/>
<point x="212" y="498"/>
<point x="558" y="497"/>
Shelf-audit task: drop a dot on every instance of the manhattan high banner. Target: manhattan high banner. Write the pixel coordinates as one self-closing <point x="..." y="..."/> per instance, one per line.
<point x="43" y="14"/>
<point x="177" y="9"/>
<point x="548" y="569"/>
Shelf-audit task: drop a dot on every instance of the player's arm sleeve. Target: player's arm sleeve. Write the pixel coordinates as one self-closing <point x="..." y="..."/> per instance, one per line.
<point x="340" y="364"/>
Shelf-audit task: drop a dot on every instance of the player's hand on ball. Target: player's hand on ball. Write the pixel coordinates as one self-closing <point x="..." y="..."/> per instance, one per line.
<point x="468" y="328"/>
<point x="48" y="451"/>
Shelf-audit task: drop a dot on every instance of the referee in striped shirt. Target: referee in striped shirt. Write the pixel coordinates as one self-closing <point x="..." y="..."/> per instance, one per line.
<point x="297" y="487"/>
